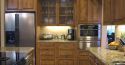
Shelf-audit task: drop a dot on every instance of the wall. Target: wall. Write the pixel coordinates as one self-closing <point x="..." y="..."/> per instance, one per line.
<point x="104" y="41"/>
<point x="120" y="29"/>
<point x="2" y="23"/>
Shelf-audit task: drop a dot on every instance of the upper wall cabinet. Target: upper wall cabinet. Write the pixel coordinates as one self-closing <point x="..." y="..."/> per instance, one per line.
<point x="20" y="5"/>
<point x="57" y="12"/>
<point x="89" y="11"/>
<point x="83" y="11"/>
<point x="113" y="12"/>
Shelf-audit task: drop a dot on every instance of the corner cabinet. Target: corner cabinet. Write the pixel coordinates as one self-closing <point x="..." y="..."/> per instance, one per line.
<point x="113" y="12"/>
<point x="20" y="5"/>
<point x="57" y="12"/>
<point x="89" y="11"/>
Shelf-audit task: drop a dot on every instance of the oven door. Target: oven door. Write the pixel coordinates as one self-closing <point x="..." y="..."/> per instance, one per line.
<point x="88" y="32"/>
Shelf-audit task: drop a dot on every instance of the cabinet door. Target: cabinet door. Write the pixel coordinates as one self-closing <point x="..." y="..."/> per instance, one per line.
<point x="107" y="12"/>
<point x="83" y="62"/>
<point x="12" y="4"/>
<point x="94" y="11"/>
<point x="28" y="4"/>
<point x="119" y="11"/>
<point x="66" y="50"/>
<point x="67" y="12"/>
<point x="97" y="11"/>
<point x="83" y="11"/>
<point x="90" y="11"/>
<point x="113" y="12"/>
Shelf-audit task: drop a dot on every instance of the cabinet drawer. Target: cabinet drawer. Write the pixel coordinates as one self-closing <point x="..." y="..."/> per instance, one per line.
<point x="66" y="46"/>
<point x="42" y="57"/>
<point x="83" y="53"/>
<point x="84" y="57"/>
<point x="46" y="45"/>
<point x="66" y="53"/>
<point x="49" y="52"/>
<point x="66" y="62"/>
<point x="47" y="62"/>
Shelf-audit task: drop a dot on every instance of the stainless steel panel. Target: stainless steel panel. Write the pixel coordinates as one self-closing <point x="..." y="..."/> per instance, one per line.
<point x="23" y="26"/>
<point x="89" y="38"/>
<point x="10" y="22"/>
<point x="85" y="44"/>
<point x="26" y="29"/>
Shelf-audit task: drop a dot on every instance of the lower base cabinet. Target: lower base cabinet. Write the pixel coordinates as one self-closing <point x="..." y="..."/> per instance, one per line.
<point x="65" y="54"/>
<point x="57" y="53"/>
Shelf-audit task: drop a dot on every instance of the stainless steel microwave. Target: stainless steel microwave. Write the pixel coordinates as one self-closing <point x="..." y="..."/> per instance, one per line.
<point x="89" y="30"/>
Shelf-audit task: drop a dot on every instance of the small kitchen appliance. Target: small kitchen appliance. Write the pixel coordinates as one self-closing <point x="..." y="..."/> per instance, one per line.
<point x="71" y="34"/>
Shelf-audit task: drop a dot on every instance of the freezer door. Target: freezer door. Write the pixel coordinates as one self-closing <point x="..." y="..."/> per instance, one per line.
<point x="26" y="30"/>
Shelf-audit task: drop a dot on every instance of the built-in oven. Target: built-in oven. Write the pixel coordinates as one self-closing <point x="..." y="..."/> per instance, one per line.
<point x="89" y="35"/>
<point x="89" y="30"/>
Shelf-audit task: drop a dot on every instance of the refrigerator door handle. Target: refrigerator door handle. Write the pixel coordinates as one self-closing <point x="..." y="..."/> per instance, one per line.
<point x="17" y="29"/>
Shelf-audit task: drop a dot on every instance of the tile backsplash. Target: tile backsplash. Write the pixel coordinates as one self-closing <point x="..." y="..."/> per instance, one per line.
<point x="55" y="29"/>
<point x="119" y="30"/>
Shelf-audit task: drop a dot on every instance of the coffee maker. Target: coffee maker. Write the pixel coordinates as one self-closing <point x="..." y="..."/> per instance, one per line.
<point x="71" y="34"/>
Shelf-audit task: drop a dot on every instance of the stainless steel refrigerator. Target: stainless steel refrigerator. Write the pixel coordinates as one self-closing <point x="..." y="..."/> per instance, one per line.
<point x="20" y="29"/>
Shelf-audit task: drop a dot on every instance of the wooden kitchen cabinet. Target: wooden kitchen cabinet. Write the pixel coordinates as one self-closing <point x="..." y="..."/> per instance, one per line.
<point x="83" y="11"/>
<point x="113" y="12"/>
<point x="12" y="4"/>
<point x="61" y="53"/>
<point x="64" y="53"/>
<point x="29" y="5"/>
<point x="108" y="11"/>
<point x="83" y="58"/>
<point x="47" y="54"/>
<point x="57" y="12"/>
<point x="20" y="5"/>
<point x="89" y="11"/>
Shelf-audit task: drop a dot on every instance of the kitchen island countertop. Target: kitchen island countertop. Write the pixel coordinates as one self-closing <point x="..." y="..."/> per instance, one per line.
<point x="13" y="55"/>
<point x="107" y="56"/>
<point x="17" y="49"/>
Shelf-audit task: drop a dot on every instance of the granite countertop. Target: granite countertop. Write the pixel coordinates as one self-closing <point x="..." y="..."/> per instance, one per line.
<point x="25" y="50"/>
<point x="14" y="54"/>
<point x="57" y="41"/>
<point x="107" y="56"/>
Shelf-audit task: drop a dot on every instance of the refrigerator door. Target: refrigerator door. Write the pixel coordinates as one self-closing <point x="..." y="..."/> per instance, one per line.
<point x="26" y="30"/>
<point x="22" y="25"/>
<point x="10" y="29"/>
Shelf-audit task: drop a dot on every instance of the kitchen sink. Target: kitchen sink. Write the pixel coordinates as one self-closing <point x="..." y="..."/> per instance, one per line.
<point x="118" y="62"/>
